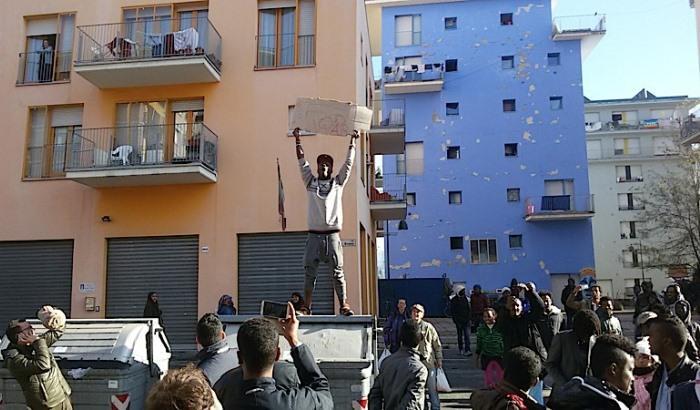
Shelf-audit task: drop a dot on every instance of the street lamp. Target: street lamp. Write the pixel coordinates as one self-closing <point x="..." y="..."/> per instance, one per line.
<point x="403" y="226"/>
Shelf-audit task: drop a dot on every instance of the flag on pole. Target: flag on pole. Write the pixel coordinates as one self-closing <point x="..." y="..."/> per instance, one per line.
<point x="280" y="197"/>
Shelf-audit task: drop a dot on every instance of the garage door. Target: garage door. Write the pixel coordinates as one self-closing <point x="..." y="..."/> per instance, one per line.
<point x="166" y="265"/>
<point x="271" y="267"/>
<point x="33" y="274"/>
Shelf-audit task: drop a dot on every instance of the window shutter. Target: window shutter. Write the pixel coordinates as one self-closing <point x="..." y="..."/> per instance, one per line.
<point x="40" y="26"/>
<point x="187" y="105"/>
<point x="307" y="13"/>
<point x="66" y="116"/>
<point x="276" y="4"/>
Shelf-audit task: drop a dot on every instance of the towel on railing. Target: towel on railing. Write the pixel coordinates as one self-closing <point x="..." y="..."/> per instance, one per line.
<point x="186" y="40"/>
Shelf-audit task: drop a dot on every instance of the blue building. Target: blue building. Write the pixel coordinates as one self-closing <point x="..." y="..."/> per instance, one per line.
<point x="491" y="95"/>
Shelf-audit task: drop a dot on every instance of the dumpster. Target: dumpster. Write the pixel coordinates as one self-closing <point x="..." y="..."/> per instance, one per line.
<point x="344" y="347"/>
<point x="108" y="363"/>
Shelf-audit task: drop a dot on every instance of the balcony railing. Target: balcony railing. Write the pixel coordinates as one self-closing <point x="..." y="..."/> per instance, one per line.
<point x="389" y="188"/>
<point x="413" y="73"/>
<point x="143" y="146"/>
<point x="281" y="50"/>
<point x="44" y="67"/>
<point x="389" y="113"/>
<point x="648" y="124"/>
<point x="690" y="130"/>
<point x="577" y="25"/>
<point x="631" y="207"/>
<point x="149" y="40"/>
<point x="562" y="207"/>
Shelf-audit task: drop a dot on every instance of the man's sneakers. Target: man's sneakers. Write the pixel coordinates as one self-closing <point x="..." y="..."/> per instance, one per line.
<point x="345" y="310"/>
<point x="463" y="352"/>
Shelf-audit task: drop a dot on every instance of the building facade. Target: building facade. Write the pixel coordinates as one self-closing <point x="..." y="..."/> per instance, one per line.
<point x="497" y="178"/>
<point x="142" y="149"/>
<point x="629" y="142"/>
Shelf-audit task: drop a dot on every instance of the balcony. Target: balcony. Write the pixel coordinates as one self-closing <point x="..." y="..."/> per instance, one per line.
<point x="633" y="178"/>
<point x="388" y="132"/>
<point x="631" y="207"/>
<point x="421" y="78"/>
<point x="388" y="198"/>
<point x="44" y="67"/>
<point x="578" y="27"/>
<point x="648" y="124"/>
<point x="559" y="208"/>
<point x="140" y="54"/>
<point x="143" y="155"/>
<point x="690" y="131"/>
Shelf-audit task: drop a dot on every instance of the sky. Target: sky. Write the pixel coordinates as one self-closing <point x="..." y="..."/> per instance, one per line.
<point x="649" y="44"/>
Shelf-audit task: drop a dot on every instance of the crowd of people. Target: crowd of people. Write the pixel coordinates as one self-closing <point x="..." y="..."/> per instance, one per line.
<point x="524" y="344"/>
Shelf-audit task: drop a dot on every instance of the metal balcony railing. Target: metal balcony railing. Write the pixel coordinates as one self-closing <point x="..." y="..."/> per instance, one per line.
<point x="148" y="40"/>
<point x="281" y="50"/>
<point x="143" y="145"/>
<point x="389" y="188"/>
<point x="593" y="23"/>
<point x="389" y="113"/>
<point x="44" y="67"/>
<point x="651" y="123"/>
<point x="413" y="73"/>
<point x="690" y="128"/>
<point x="555" y="204"/>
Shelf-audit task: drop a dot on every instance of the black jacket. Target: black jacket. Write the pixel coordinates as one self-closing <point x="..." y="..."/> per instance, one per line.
<point x="589" y="394"/>
<point x="566" y="358"/>
<point x="523" y="331"/>
<point x="685" y="371"/>
<point x="228" y="388"/>
<point x="216" y="360"/>
<point x="461" y="310"/>
<point x="314" y="392"/>
<point x="550" y="326"/>
<point x="684" y="397"/>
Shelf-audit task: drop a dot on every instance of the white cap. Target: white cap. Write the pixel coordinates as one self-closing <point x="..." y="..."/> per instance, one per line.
<point x="643" y="346"/>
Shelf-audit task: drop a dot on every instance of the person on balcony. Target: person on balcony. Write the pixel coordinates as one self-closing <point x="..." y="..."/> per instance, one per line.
<point x="45" y="62"/>
<point x="325" y="219"/>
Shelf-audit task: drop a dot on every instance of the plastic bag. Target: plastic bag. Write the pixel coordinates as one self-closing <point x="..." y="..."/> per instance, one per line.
<point x="443" y="386"/>
<point x="386" y="353"/>
<point x="493" y="374"/>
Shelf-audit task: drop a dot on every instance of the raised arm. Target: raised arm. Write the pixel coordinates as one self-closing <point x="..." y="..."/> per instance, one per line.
<point x="306" y="175"/>
<point x="344" y="172"/>
<point x="22" y="365"/>
<point x="536" y="303"/>
<point x="571" y="301"/>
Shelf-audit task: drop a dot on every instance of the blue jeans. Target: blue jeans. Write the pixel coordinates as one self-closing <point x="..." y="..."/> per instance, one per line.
<point x="463" y="337"/>
<point x="431" y="390"/>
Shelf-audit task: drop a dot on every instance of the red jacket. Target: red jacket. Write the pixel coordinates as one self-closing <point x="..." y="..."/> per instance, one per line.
<point x="479" y="303"/>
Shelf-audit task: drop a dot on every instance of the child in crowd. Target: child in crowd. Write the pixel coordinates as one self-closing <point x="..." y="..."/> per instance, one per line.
<point x="489" y="348"/>
<point x="644" y="366"/>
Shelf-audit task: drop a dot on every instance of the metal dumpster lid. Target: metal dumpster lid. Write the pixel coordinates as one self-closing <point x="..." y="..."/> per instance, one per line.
<point x="121" y="340"/>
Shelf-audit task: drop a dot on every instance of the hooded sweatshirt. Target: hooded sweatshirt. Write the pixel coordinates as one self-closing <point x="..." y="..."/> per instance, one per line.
<point x="590" y="393"/>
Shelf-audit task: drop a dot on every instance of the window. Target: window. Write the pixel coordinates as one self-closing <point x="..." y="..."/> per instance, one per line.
<point x="553" y="59"/>
<point x="594" y="149"/>
<point x="49" y="49"/>
<point x="452" y="152"/>
<point x="592" y="117"/>
<point x="511" y="150"/>
<point x="411" y="162"/>
<point x="411" y="199"/>
<point x="627" y="146"/>
<point x="280" y="44"/>
<point x="455" y="197"/>
<point x="456" y="242"/>
<point x="513" y="194"/>
<point x="631" y="258"/>
<point x="629" y="202"/>
<point x="450" y="23"/>
<point x="556" y="103"/>
<point x="515" y="241"/>
<point x="629" y="173"/>
<point x="665" y="114"/>
<point x="451" y="65"/>
<point x="507" y="62"/>
<point x="625" y="118"/>
<point x="665" y="146"/>
<point x="506" y="19"/>
<point x="407" y="30"/>
<point x="632" y="230"/>
<point x="483" y="251"/>
<point x="452" y="108"/>
<point x="509" y="105"/>
<point x="51" y="136"/>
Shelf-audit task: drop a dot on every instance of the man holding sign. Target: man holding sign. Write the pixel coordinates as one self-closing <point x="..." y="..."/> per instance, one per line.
<point x="325" y="219"/>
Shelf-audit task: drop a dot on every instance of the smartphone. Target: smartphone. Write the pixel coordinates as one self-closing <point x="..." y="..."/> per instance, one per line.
<point x="274" y="310"/>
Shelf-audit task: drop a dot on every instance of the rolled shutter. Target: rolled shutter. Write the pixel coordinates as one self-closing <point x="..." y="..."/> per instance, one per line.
<point x="187" y="105"/>
<point x="65" y="116"/>
<point x="41" y="26"/>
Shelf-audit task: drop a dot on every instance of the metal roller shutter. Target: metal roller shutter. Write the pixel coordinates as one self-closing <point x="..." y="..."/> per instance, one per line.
<point x="33" y="274"/>
<point x="167" y="265"/>
<point x="271" y="267"/>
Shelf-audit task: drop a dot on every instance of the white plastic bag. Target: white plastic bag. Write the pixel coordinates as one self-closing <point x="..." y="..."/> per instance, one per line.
<point x="443" y="386"/>
<point x="386" y="353"/>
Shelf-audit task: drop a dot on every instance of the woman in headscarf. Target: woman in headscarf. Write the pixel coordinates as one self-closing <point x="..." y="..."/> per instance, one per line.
<point x="226" y="306"/>
<point x="152" y="310"/>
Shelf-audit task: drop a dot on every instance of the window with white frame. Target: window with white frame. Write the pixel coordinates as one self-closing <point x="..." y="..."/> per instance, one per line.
<point x="411" y="163"/>
<point x="629" y="173"/>
<point x="51" y="139"/>
<point x="627" y="146"/>
<point x="629" y="202"/>
<point x="594" y="149"/>
<point x="408" y="30"/>
<point x="632" y="230"/>
<point x="483" y="251"/>
<point x="665" y="146"/>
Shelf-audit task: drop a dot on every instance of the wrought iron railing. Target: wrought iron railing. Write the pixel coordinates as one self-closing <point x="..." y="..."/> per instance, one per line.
<point x="389" y="113"/>
<point x="595" y="23"/>
<point x="146" y="40"/>
<point x="44" y="67"/>
<point x="389" y="188"/>
<point x="413" y="73"/>
<point x="143" y="145"/>
<point x="556" y="204"/>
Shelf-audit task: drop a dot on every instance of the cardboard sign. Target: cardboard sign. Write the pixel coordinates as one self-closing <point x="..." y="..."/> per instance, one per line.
<point x="330" y="117"/>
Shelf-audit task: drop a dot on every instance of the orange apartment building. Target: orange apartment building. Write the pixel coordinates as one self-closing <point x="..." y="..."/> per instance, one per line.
<point x="140" y="153"/>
